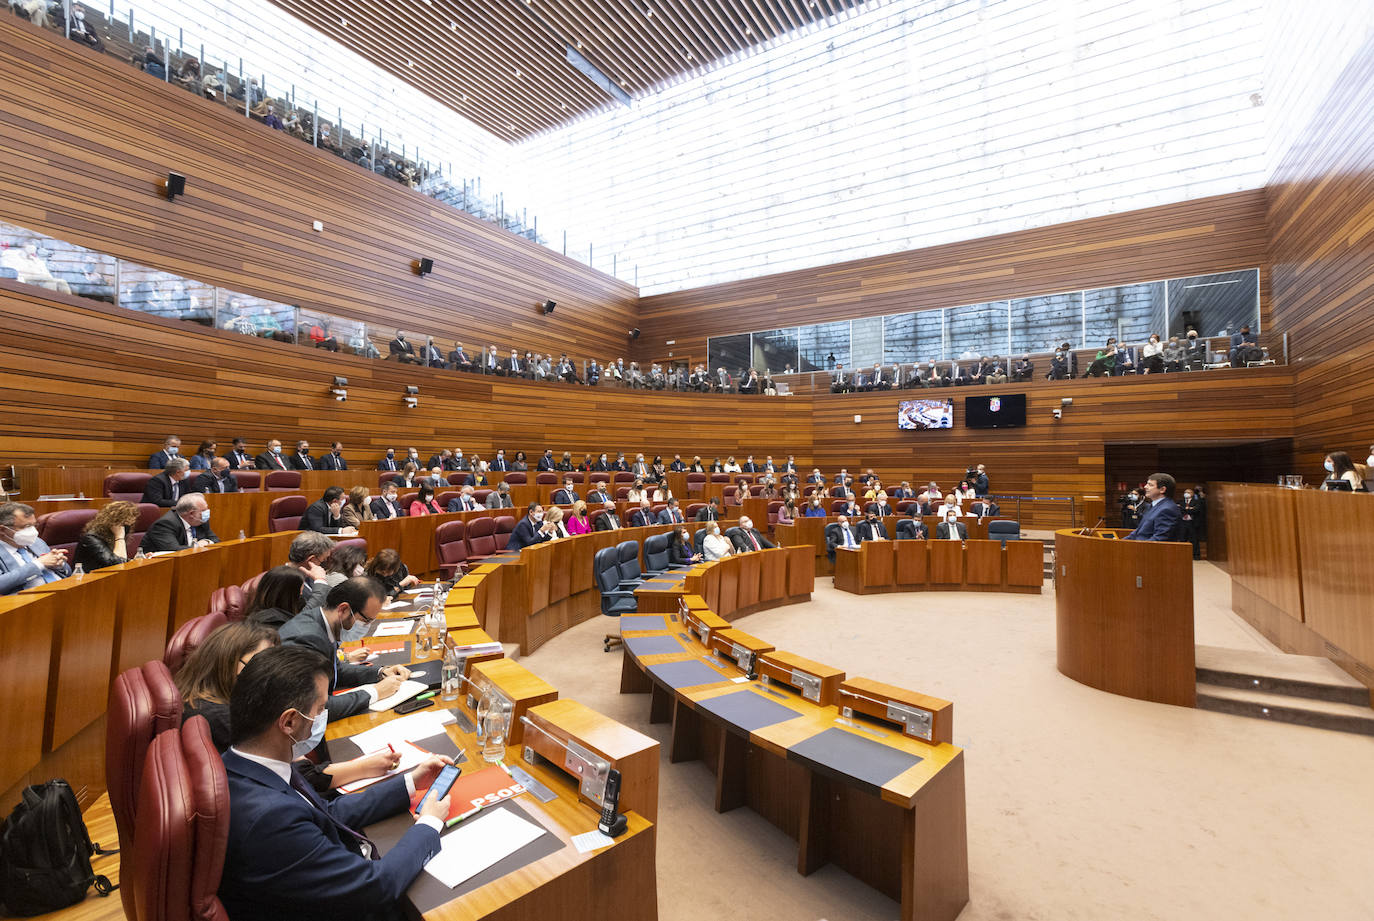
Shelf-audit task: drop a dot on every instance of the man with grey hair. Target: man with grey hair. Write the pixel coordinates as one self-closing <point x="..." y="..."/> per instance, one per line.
<point x="500" y="497"/>
<point x="307" y="553"/>
<point x="187" y="524"/>
<point x="164" y="489"/>
<point x="25" y="561"/>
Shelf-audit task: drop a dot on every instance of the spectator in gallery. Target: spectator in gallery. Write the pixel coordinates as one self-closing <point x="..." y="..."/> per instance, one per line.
<point x="322" y="336"/>
<point x="1172" y="355"/>
<point x="81" y="30"/>
<point x="1104" y="363"/>
<point x="1059" y="366"/>
<point x="152" y="64"/>
<point x="270" y="119"/>
<point x="1024" y="369"/>
<point x="31" y="268"/>
<point x="1152" y="356"/>
<point x="998" y="375"/>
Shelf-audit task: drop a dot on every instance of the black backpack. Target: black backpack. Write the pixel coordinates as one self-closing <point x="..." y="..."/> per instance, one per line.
<point x="45" y="853"/>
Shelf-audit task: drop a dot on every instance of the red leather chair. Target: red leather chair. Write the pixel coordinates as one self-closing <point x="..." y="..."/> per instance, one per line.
<point x="228" y="601"/>
<point x="360" y="542"/>
<point x="773" y="511"/>
<point x="61" y="530"/>
<point x="905" y="504"/>
<point x="728" y="494"/>
<point x="451" y="545"/>
<point x="143" y="703"/>
<point x="808" y="490"/>
<point x="600" y="481"/>
<point x="517" y="478"/>
<point x="248" y="480"/>
<point x="720" y="477"/>
<point x="406" y="498"/>
<point x="126" y="486"/>
<point x="621" y="493"/>
<point x="190" y="635"/>
<point x="444" y="497"/>
<point x="578" y="477"/>
<point x="282" y="480"/>
<point x="837" y="506"/>
<point x="756" y="489"/>
<point x="657" y="508"/>
<point x="284" y="514"/>
<point x="593" y="515"/>
<point x="546" y="479"/>
<point x="623" y="476"/>
<point x="505" y="524"/>
<point x="183" y="829"/>
<point x="457" y="478"/>
<point x="480" y="496"/>
<point x="251" y="586"/>
<point x="696" y="484"/>
<point x="147" y="514"/>
<point x="481" y="538"/>
<point x="386" y="477"/>
<point x="691" y="512"/>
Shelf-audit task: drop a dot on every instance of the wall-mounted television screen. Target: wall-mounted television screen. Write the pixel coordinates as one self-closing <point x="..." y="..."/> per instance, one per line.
<point x="925" y="414"/>
<point x="995" y="412"/>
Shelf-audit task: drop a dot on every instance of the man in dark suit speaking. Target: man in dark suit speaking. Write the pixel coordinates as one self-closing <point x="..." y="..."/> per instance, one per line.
<point x="1160" y="521"/>
<point x="289" y="853"/>
<point x="186" y="525"/>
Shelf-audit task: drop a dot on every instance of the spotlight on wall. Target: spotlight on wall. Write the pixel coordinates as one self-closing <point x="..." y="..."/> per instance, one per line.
<point x="548" y="307"/>
<point x="1066" y="402"/>
<point x="634" y="333"/>
<point x="412" y="390"/>
<point x="424" y="266"/>
<point x="340" y="381"/>
<point x="174" y="185"/>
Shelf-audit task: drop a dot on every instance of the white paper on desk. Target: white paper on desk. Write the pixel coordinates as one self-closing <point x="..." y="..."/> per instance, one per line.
<point x="478" y="843"/>
<point x="591" y="841"/>
<point x="394" y="605"/>
<point x="407" y="690"/>
<point x="419" y="725"/>
<point x="410" y="757"/>
<point x="426" y="590"/>
<point x="393" y="628"/>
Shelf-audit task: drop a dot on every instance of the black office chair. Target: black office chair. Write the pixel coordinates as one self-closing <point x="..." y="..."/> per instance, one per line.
<point x="736" y="538"/>
<point x="656" y="559"/>
<point x="1004" y="531"/>
<point x="698" y="537"/>
<point x="832" y="539"/>
<point x="627" y="553"/>
<point x="614" y="600"/>
<point x="989" y="508"/>
<point x="907" y="529"/>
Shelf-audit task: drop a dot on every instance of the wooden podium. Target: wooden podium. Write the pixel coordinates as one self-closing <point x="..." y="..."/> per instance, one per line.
<point x="1124" y="612"/>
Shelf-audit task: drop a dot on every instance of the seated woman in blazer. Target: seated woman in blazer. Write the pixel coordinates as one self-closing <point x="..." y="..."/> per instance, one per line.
<point x="788" y="513"/>
<point x="424" y="503"/>
<point x="104" y="540"/>
<point x="409" y="478"/>
<point x="358" y="508"/>
<point x="680" y="551"/>
<point x="386" y="567"/>
<point x="579" y="523"/>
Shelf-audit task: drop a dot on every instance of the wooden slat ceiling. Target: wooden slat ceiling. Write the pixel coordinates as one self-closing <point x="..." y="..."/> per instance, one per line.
<point x="503" y="65"/>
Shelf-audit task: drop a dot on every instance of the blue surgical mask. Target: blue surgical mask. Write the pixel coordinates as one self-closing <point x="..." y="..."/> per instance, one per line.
<point x="305" y="746"/>
<point x="171" y="452"/>
<point x="205" y="516"/>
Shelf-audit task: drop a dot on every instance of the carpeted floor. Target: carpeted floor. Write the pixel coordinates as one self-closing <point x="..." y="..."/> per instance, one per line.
<point x="1081" y="805"/>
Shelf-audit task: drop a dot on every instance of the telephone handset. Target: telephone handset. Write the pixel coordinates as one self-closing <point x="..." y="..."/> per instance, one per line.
<point x="612" y="823"/>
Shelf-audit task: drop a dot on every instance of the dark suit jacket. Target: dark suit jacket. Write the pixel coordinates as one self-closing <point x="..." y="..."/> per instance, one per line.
<point x="565" y="497"/>
<point x="545" y="463"/>
<point x="496" y="500"/>
<point x="500" y="464"/>
<point x="269" y="461"/>
<point x="884" y="510"/>
<point x="942" y="530"/>
<point x="741" y="541"/>
<point x="238" y="459"/>
<point x="403" y="351"/>
<point x="834" y="537"/>
<point x="598" y="497"/>
<point x="1160" y="522"/>
<point x="642" y="518"/>
<point x="456" y="505"/>
<point x="169" y="533"/>
<point x="666" y="516"/>
<point x="708" y="514"/>
<point x="329" y="462"/>
<point x="317" y="517"/>
<point x="300" y="461"/>
<point x="476" y="479"/>
<point x="526" y="534"/>
<point x="388" y="463"/>
<point x="158" y="460"/>
<point x="158" y="491"/>
<point x="308" y="629"/>
<point x="872" y="532"/>
<point x="379" y="509"/>
<point x="286" y="859"/>
<point x="607" y="522"/>
<point x="208" y="482"/>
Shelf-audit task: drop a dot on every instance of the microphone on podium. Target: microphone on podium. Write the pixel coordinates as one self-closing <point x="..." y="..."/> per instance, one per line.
<point x="1087" y="531"/>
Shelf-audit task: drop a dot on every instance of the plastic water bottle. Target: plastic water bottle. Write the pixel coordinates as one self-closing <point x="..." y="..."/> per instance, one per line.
<point x="242" y="536"/>
<point x="78" y="571"/>
<point x="452" y="675"/>
<point x="498" y="724"/>
<point x="140" y="555"/>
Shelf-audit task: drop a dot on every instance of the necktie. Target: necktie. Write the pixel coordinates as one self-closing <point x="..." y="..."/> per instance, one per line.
<point x="308" y="464"/>
<point x="190" y="536"/>
<point x="354" y="839"/>
<point x="752" y="540"/>
<point x="219" y="486"/>
<point x="676" y="519"/>
<point x="176" y="491"/>
<point x="45" y="575"/>
<point x="468" y="504"/>
<point x="848" y="537"/>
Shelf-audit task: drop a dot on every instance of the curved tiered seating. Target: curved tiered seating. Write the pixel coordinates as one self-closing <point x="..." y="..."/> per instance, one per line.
<point x="450" y="543"/>
<point x="190" y="635"/>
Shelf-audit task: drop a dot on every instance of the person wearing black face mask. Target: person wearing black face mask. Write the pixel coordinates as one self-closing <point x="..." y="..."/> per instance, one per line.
<point x="389" y="462"/>
<point x="334" y="459"/>
<point x="1194" y="352"/>
<point x="872" y="528"/>
<point x="288" y="853"/>
<point x="401" y="350"/>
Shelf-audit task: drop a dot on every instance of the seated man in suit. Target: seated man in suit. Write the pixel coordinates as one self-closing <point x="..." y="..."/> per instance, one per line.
<point x="546" y="461"/>
<point x="186" y="525"/>
<point x="567" y="495"/>
<point x="672" y="514"/>
<point x="239" y="458"/>
<point x="334" y="459"/>
<point x="478" y="476"/>
<point x="643" y="516"/>
<point x="711" y="512"/>
<point x="840" y="534"/>
<point x="322" y="515"/>
<point x="998" y="375"/>
<point x="443" y="460"/>
<point x="530" y="530"/>
<point x="387" y="505"/>
<point x="389" y="462"/>
<point x="401" y="350"/>
<point x="25" y="560"/>
<point x="1195" y="352"/>
<point x="458" y="359"/>
<point x="1059" y="366"/>
<point x="465" y="501"/>
<point x="1162" y="517"/>
<point x="301" y="459"/>
<point x="1024" y="369"/>
<point x="880" y="506"/>
<point x="608" y="520"/>
<point x="951" y="528"/>
<point x="492" y="363"/>
<point x="872" y="527"/>
<point x="500" y="497"/>
<point x="746" y="538"/>
<point x="913" y="526"/>
<point x="353" y="602"/>
<point x="1242" y="344"/>
<point x="433" y="358"/>
<point x="171" y="447"/>
<point x="217" y="478"/>
<point x="984" y="508"/>
<point x="271" y="458"/>
<point x="164" y="489"/>
<point x="839" y="380"/>
<point x="600" y="494"/>
<point x="500" y="463"/>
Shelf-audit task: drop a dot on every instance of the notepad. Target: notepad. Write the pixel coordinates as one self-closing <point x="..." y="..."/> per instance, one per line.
<point x="419" y="725"/>
<point x="407" y="690"/>
<point x="394" y="628"/>
<point x="475" y="845"/>
<point x="410" y="758"/>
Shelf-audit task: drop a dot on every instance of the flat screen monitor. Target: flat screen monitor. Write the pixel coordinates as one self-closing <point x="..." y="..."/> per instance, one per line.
<point x="1003" y="411"/>
<point x="925" y="414"/>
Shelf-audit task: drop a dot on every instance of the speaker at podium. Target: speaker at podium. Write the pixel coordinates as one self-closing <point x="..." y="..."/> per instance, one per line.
<point x="1124" y="615"/>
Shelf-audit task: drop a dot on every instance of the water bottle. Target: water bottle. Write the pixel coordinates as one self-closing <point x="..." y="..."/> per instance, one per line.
<point x="77" y="571"/>
<point x="452" y="675"/>
<point x="498" y="724"/>
<point x="242" y="536"/>
<point x="483" y="709"/>
<point x="140" y="555"/>
<point x="422" y="638"/>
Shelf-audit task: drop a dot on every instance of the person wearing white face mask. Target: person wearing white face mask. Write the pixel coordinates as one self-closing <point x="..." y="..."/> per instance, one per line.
<point x="530" y="529"/>
<point x="185" y="525"/>
<point x="715" y="546"/>
<point x="171" y="446"/>
<point x="951" y="528"/>
<point x="324" y="515"/>
<point x="25" y="560"/>
<point x="164" y="489"/>
<point x="287" y="849"/>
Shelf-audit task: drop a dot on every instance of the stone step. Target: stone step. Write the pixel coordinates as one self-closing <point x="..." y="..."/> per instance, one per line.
<point x="1309" y="677"/>
<point x="1319" y="714"/>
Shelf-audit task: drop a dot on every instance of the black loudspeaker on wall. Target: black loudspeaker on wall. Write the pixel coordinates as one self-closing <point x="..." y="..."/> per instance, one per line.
<point x="634" y="333"/>
<point x="548" y="307"/>
<point x="425" y="267"/>
<point x="176" y="185"/>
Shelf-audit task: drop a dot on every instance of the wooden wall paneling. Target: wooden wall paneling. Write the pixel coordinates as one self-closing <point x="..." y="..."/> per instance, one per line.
<point x="1262" y="542"/>
<point x="1321" y="223"/>
<point x="1206" y="235"/>
<point x="95" y="136"/>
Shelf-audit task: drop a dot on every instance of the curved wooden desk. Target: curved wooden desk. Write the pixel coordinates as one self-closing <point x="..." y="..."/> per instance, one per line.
<point x="1124" y="615"/>
<point x="941" y="565"/>
<point x="854" y="790"/>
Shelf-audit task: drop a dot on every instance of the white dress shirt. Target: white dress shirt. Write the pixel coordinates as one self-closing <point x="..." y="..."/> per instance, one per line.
<point x="715" y="547"/>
